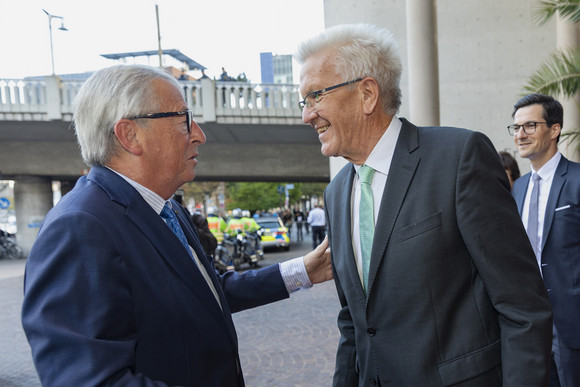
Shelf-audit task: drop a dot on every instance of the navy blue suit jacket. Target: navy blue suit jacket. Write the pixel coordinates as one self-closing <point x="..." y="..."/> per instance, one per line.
<point x="113" y="298"/>
<point x="561" y="247"/>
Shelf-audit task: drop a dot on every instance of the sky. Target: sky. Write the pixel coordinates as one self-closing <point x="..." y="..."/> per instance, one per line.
<point x="215" y="33"/>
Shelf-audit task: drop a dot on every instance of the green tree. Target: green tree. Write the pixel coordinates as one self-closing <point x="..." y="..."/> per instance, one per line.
<point x="313" y="189"/>
<point x="252" y="196"/>
<point x="560" y="74"/>
<point x="263" y="196"/>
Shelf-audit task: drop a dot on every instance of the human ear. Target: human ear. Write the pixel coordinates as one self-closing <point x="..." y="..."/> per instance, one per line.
<point x="555" y="129"/>
<point x="370" y="92"/>
<point x="126" y="132"/>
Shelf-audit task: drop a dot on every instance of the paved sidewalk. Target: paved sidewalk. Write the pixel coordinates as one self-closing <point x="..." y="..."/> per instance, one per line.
<point x="16" y="368"/>
<point x="292" y="342"/>
<point x="288" y="343"/>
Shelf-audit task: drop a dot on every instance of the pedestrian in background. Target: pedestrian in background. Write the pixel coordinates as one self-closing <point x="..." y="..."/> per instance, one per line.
<point x="317" y="222"/>
<point x="510" y="165"/>
<point x="206" y="238"/>
<point x="435" y="275"/>
<point x="299" y="221"/>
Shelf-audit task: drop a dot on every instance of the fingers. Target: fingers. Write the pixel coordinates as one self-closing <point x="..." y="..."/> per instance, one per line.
<point x="322" y="246"/>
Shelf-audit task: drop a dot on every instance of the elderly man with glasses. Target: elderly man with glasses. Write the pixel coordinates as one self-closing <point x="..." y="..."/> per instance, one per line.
<point x="548" y="200"/>
<point x="118" y="290"/>
<point x="436" y="278"/>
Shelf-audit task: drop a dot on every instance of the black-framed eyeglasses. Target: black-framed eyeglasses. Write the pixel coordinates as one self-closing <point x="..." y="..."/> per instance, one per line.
<point x="529" y="127"/>
<point x="187" y="113"/>
<point x="313" y="98"/>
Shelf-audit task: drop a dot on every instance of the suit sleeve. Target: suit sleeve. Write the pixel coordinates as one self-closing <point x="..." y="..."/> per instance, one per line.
<point x="251" y="288"/>
<point x="502" y="254"/>
<point x="77" y="311"/>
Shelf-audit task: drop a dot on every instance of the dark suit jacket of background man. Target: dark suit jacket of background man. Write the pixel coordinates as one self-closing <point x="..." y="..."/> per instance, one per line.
<point x="561" y="247"/>
<point x="130" y="291"/>
<point x="452" y="276"/>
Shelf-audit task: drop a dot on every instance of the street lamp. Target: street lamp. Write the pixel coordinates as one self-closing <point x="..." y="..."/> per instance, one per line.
<point x="62" y="28"/>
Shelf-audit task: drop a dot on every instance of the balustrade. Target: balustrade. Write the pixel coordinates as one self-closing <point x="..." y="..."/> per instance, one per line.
<point x="229" y="102"/>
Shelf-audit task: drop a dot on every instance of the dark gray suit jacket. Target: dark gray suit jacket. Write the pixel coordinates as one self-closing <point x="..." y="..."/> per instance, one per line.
<point x="455" y="296"/>
<point x="561" y="247"/>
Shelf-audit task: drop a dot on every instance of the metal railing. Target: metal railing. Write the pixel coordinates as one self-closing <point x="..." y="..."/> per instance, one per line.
<point x="51" y="98"/>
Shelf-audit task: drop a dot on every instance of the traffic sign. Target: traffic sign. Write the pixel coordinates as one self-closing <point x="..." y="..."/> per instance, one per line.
<point x="4" y="203"/>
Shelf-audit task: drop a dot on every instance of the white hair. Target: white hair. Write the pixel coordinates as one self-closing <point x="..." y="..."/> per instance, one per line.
<point x="362" y="50"/>
<point x="107" y="96"/>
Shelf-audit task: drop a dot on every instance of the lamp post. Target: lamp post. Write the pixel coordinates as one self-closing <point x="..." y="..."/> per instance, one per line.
<point x="62" y="28"/>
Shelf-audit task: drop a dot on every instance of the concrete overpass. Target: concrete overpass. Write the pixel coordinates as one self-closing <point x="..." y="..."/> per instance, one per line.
<point x="254" y="133"/>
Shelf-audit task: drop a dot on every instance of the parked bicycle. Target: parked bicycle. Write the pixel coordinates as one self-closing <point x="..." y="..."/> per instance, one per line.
<point x="9" y="249"/>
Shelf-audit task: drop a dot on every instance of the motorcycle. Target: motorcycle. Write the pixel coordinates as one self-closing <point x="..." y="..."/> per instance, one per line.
<point x="254" y="238"/>
<point x="223" y="261"/>
<point x="243" y="251"/>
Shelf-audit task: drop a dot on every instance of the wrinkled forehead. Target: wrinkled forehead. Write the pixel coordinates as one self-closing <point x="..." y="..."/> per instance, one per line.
<point x="166" y="95"/>
<point x="318" y="71"/>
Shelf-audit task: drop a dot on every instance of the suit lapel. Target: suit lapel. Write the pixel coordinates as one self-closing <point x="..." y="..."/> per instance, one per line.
<point x="157" y="232"/>
<point x="193" y="240"/>
<point x="342" y="223"/>
<point x="403" y="166"/>
<point x="520" y="194"/>
<point x="555" y="189"/>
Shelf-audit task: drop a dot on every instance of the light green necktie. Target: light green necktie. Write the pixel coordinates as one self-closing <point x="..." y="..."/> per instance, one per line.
<point x="366" y="220"/>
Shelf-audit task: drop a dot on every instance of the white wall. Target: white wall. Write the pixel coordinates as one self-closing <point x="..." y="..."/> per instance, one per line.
<point x="487" y="51"/>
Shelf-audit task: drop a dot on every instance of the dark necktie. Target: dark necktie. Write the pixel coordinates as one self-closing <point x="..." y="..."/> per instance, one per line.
<point x="171" y="220"/>
<point x="533" y="213"/>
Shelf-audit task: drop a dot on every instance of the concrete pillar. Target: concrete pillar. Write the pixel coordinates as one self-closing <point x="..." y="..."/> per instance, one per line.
<point x="32" y="200"/>
<point x="53" y="100"/>
<point x="208" y="93"/>
<point x="568" y="37"/>
<point x="423" y="65"/>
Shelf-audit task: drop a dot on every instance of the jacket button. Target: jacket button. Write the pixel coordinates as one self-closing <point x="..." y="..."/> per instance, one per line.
<point x="371" y="331"/>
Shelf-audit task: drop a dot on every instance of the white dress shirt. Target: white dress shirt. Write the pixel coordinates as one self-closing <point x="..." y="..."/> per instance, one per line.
<point x="546" y="173"/>
<point x="380" y="160"/>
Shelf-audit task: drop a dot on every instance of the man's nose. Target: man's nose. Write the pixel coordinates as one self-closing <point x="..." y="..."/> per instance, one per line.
<point x="521" y="133"/>
<point x="308" y="115"/>
<point x="196" y="134"/>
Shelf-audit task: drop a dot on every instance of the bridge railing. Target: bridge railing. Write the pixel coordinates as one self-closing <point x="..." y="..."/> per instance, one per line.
<point x="51" y="98"/>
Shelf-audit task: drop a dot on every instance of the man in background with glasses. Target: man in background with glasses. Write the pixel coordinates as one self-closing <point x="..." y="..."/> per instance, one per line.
<point x="118" y="290"/>
<point x="548" y="200"/>
<point x="435" y="275"/>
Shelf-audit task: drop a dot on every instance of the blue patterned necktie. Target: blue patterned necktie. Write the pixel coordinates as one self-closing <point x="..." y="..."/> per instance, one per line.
<point x="171" y="220"/>
<point x="533" y="213"/>
<point x="366" y="220"/>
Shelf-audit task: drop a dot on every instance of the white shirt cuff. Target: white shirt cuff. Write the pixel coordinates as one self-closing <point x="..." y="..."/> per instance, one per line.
<point x="294" y="275"/>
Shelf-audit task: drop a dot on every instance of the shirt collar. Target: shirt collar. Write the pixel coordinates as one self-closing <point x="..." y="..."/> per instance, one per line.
<point x="154" y="200"/>
<point x="382" y="154"/>
<point x="547" y="170"/>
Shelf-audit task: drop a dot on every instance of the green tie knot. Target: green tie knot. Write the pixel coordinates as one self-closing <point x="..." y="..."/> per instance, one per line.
<point x="366" y="174"/>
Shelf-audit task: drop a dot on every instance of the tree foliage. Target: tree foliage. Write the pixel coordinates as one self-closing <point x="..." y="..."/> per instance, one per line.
<point x="265" y="196"/>
<point x="560" y="74"/>
<point x="567" y="9"/>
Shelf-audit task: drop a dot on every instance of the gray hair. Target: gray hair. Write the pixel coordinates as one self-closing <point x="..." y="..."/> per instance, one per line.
<point x="362" y="50"/>
<point x="107" y="96"/>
